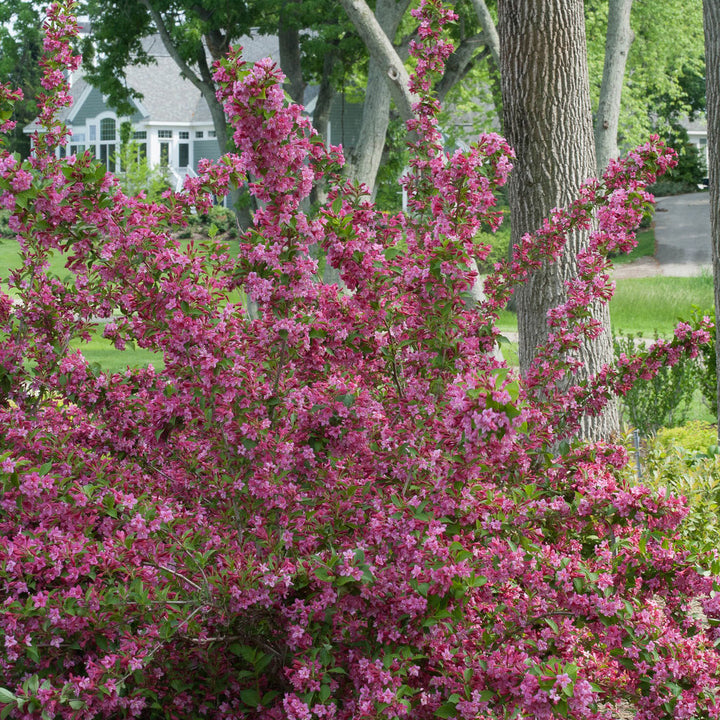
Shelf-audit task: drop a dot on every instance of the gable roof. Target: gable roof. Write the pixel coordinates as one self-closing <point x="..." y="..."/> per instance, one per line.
<point x="167" y="96"/>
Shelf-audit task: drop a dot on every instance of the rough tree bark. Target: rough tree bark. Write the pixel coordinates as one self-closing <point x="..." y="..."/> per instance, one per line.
<point x="711" y="22"/>
<point x="387" y="80"/>
<point x="548" y="121"/>
<point x="618" y="39"/>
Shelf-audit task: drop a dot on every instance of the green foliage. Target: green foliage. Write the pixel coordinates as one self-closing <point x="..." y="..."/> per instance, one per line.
<point x="5" y="231"/>
<point x="663" y="400"/>
<point x="389" y="193"/>
<point x="136" y="175"/>
<point x="218" y="220"/>
<point x="500" y="246"/>
<point x="686" y="175"/>
<point x="20" y="53"/>
<point x="695" y="436"/>
<point x="681" y="463"/>
<point x="665" y="69"/>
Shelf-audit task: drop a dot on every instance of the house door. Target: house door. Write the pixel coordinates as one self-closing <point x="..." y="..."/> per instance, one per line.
<point x="183" y="155"/>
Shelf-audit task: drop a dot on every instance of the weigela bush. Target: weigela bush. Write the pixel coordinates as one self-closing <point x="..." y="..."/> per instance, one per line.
<point x="342" y="506"/>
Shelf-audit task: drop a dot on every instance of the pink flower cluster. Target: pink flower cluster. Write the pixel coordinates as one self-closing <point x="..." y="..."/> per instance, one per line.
<point x="324" y="501"/>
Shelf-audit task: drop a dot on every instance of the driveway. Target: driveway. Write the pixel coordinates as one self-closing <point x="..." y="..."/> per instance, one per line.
<point x="682" y="239"/>
<point x="682" y="234"/>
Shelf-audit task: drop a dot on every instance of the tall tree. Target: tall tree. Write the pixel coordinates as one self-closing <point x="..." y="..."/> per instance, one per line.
<point x="548" y="121"/>
<point x="618" y="39"/>
<point x="387" y="79"/>
<point x="711" y="21"/>
<point x="20" y="53"/>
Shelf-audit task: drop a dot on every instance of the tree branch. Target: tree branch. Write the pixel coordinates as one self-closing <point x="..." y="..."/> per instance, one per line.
<point x="382" y="51"/>
<point x="488" y="26"/>
<point x="159" y="23"/>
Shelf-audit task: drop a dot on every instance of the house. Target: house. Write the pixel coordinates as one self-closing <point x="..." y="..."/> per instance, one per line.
<point x="171" y="123"/>
<point x="697" y="134"/>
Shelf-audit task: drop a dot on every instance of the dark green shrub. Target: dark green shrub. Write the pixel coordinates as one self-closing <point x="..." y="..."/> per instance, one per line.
<point x="500" y="245"/>
<point x="5" y="231"/>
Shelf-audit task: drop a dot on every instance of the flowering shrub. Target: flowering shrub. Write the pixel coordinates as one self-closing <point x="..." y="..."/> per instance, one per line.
<point x="342" y="506"/>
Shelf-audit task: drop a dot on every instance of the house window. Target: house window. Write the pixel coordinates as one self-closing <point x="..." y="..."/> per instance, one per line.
<point x="77" y="149"/>
<point x="212" y="133"/>
<point x="107" y="143"/>
<point x="199" y="134"/>
<point x="184" y="135"/>
<point x="183" y="155"/>
<point x="140" y="135"/>
<point x="93" y="133"/>
<point x="164" y="133"/>
<point x="107" y="129"/>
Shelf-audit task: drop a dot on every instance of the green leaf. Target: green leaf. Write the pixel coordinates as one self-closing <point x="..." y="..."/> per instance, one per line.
<point x="251" y="697"/>
<point x="6" y="696"/>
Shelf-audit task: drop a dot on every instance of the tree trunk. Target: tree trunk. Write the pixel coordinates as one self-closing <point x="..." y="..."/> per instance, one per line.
<point x="711" y="21"/>
<point x="387" y="79"/>
<point x="618" y="39"/>
<point x="321" y="118"/>
<point x="290" y="56"/>
<point x="548" y="121"/>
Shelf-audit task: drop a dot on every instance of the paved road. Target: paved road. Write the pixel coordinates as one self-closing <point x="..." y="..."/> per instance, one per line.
<point x="682" y="234"/>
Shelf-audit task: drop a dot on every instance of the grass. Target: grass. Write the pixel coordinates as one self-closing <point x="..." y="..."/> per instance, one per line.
<point x="102" y="351"/>
<point x="648" y="305"/>
<point x="656" y="304"/>
<point x="645" y="248"/>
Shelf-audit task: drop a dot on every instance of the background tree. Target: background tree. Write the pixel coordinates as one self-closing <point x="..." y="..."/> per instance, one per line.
<point x="665" y="64"/>
<point x="618" y="39"/>
<point x="20" y="53"/>
<point x="711" y="13"/>
<point x="548" y="122"/>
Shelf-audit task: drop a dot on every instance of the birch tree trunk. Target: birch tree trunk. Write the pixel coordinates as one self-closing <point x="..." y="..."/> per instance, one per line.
<point x="548" y="121"/>
<point x="618" y="39"/>
<point x="711" y="21"/>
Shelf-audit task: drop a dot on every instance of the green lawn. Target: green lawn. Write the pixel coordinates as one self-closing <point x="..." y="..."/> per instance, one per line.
<point x="98" y="350"/>
<point x="653" y="304"/>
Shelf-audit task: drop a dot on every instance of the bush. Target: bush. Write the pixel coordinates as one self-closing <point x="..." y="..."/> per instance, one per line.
<point x="693" y="437"/>
<point x="5" y="231"/>
<point x="217" y="220"/>
<point x="685" y="462"/>
<point x="343" y="506"/>
<point x="499" y="243"/>
<point x="662" y="400"/>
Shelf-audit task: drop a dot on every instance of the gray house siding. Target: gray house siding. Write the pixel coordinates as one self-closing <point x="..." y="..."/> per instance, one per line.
<point x="91" y="108"/>
<point x="209" y="149"/>
<point x="345" y="122"/>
